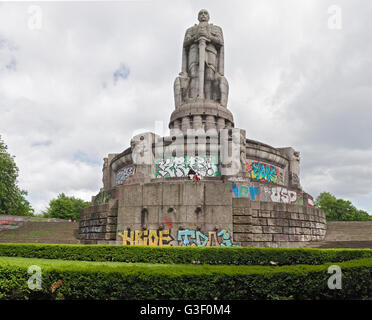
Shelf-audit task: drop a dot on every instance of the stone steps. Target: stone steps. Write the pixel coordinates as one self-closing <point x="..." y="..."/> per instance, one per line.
<point x="42" y="232"/>
<point x="346" y="234"/>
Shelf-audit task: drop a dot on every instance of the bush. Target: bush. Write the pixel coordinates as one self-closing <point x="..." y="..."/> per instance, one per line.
<point x="340" y="209"/>
<point x="65" y="208"/>
<point x="183" y="255"/>
<point x="12" y="199"/>
<point x="108" y="280"/>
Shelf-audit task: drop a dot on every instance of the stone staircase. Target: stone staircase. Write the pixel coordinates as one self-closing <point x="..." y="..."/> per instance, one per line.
<point x="39" y="230"/>
<point x="346" y="234"/>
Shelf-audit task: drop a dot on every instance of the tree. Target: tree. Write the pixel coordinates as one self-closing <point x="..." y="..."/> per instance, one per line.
<point x="340" y="209"/>
<point x="12" y="198"/>
<point x="65" y="208"/>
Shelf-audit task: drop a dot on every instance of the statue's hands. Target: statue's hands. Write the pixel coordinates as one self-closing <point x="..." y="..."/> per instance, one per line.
<point x="203" y="32"/>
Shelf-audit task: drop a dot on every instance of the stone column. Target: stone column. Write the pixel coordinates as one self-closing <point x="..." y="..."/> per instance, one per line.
<point x="186" y="124"/>
<point x="220" y="123"/>
<point x="175" y="127"/>
<point x="197" y="123"/>
<point x="210" y="125"/>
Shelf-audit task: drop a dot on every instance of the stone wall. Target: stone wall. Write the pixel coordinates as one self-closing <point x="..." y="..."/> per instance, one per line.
<point x="98" y="223"/>
<point x="269" y="224"/>
<point x="181" y="207"/>
<point x="202" y="214"/>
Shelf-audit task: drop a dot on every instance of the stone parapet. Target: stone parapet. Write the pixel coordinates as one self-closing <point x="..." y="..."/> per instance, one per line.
<point x="257" y="223"/>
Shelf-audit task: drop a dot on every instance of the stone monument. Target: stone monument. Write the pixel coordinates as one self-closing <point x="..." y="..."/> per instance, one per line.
<point x="206" y="184"/>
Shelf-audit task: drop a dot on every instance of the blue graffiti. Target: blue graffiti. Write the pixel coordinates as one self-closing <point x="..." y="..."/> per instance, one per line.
<point x="186" y="233"/>
<point x="243" y="191"/>
<point x="198" y="238"/>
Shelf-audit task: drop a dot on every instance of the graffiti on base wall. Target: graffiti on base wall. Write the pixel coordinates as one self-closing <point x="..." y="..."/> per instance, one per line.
<point x="263" y="172"/>
<point x="279" y="194"/>
<point x="154" y="238"/>
<point x="263" y="193"/>
<point x="199" y="239"/>
<point x="160" y="238"/>
<point x="123" y="174"/>
<point x="310" y="201"/>
<point x="244" y="191"/>
<point x="179" y="166"/>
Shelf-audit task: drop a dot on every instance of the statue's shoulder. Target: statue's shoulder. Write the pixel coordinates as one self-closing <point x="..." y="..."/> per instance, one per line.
<point x="215" y="28"/>
<point x="192" y="29"/>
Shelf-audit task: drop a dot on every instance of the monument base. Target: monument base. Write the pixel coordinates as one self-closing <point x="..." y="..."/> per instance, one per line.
<point x="208" y="213"/>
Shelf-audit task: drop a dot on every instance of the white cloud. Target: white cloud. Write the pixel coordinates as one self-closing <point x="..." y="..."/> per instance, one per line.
<point x="293" y="82"/>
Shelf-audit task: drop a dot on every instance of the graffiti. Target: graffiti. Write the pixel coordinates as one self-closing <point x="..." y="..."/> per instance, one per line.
<point x="244" y="191"/>
<point x="279" y="194"/>
<point x="155" y="238"/>
<point x="123" y="174"/>
<point x="199" y="239"/>
<point x="179" y="166"/>
<point x="168" y="222"/>
<point x="9" y="221"/>
<point x="225" y="234"/>
<point x="263" y="172"/>
<point x="90" y="229"/>
<point x="310" y="201"/>
<point x="262" y="193"/>
<point x="160" y="238"/>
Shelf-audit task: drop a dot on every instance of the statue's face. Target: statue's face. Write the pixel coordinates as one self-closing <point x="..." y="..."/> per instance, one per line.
<point x="203" y="15"/>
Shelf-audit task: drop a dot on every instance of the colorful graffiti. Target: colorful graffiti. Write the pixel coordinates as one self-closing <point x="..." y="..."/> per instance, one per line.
<point x="244" y="191"/>
<point x="179" y="166"/>
<point x="123" y="174"/>
<point x="263" y="172"/>
<point x="262" y="193"/>
<point x="160" y="238"/>
<point x="199" y="239"/>
<point x="310" y="201"/>
<point x="9" y="221"/>
<point x="154" y="238"/>
<point x="168" y="222"/>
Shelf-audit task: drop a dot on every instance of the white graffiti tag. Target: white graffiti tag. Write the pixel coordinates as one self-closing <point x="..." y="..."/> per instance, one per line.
<point x="179" y="167"/>
<point x="124" y="174"/>
<point x="203" y="166"/>
<point x="279" y="194"/>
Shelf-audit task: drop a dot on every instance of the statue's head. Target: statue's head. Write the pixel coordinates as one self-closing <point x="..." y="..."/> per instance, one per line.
<point x="203" y="15"/>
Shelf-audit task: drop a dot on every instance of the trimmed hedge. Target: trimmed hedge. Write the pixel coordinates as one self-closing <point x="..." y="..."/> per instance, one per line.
<point x="109" y="280"/>
<point x="183" y="255"/>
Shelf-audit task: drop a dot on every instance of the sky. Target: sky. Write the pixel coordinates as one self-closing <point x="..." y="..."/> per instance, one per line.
<point x="79" y="79"/>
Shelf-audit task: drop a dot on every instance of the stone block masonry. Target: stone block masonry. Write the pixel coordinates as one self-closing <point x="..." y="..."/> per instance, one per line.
<point x="98" y="223"/>
<point x="203" y="214"/>
<point x="269" y="224"/>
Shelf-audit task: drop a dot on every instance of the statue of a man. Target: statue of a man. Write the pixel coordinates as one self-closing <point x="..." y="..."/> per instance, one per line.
<point x="202" y="75"/>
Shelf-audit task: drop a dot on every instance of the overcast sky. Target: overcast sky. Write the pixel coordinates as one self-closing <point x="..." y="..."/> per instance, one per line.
<point x="78" y="79"/>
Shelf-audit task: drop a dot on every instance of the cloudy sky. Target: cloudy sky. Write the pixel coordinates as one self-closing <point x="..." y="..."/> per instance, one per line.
<point x="78" y="79"/>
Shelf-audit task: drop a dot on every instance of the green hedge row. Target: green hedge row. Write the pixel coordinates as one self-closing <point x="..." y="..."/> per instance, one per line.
<point x="183" y="255"/>
<point x="110" y="280"/>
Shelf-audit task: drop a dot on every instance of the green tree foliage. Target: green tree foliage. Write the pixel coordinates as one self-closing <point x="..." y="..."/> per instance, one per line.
<point x="12" y="198"/>
<point x="340" y="209"/>
<point x="65" y="208"/>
